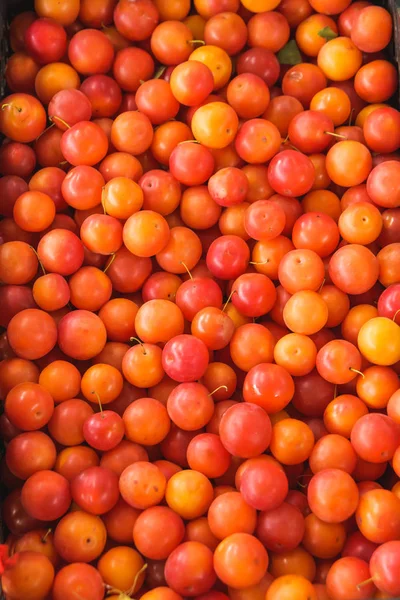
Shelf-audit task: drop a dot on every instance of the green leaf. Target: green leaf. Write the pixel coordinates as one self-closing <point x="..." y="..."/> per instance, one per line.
<point x="290" y="54"/>
<point x="327" y="33"/>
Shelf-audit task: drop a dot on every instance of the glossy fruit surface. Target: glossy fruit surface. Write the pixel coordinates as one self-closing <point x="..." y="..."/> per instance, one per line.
<point x="200" y="301"/>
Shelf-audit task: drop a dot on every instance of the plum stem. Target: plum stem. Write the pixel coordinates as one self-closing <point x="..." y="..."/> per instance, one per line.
<point x="160" y="72"/>
<point x="44" y="538"/>
<point x="395" y="314"/>
<point x="187" y="270"/>
<point x="110" y="590"/>
<point x="134" y="584"/>
<point x="189" y="142"/>
<point x="364" y="583"/>
<point x="44" y="131"/>
<point x="303" y="476"/>
<point x="61" y="121"/>
<point x="201" y="42"/>
<point x="99" y="401"/>
<point x="113" y="257"/>
<point x="39" y="261"/>
<point x="9" y="105"/>
<point x="229" y="299"/>
<point x="252" y="262"/>
<point x="128" y="594"/>
<point x="103" y="199"/>
<point x="220" y="387"/>
<point x="336" y="135"/>
<point x="357" y="371"/>
<point x="135" y="339"/>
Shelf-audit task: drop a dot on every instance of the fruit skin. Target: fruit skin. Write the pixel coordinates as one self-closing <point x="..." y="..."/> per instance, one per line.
<point x="57" y="39"/>
<point x="22" y="117"/>
<point x="43" y="502"/>
<point x="291" y="174"/>
<point x="379" y="341"/>
<point x="200" y="273"/>
<point x="185" y="358"/>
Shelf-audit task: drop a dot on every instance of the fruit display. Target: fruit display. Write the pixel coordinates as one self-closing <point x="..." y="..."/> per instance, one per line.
<point x="200" y="301"/>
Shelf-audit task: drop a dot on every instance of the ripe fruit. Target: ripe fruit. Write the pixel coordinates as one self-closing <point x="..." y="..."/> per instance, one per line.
<point x="199" y="268"/>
